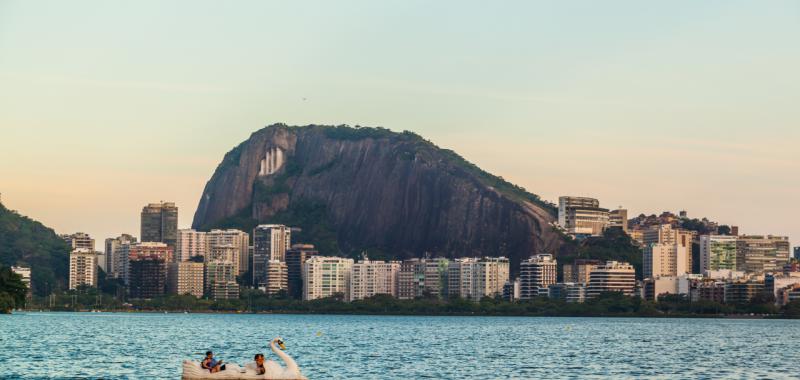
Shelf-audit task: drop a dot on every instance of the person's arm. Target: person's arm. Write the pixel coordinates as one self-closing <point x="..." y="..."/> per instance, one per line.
<point x="204" y="363"/>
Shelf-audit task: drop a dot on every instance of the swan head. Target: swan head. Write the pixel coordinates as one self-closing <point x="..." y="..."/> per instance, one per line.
<point x="279" y="342"/>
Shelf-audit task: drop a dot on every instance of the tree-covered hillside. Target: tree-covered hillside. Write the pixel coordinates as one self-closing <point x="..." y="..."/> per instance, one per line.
<point x="26" y="242"/>
<point x="12" y="291"/>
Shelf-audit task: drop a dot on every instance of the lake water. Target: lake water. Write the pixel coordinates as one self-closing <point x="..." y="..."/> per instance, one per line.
<point x="138" y="345"/>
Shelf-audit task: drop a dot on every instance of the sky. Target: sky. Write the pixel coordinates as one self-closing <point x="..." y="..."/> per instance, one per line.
<point x="106" y="106"/>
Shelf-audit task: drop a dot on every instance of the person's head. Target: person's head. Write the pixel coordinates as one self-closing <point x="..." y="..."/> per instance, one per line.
<point x="259" y="358"/>
<point x="209" y="354"/>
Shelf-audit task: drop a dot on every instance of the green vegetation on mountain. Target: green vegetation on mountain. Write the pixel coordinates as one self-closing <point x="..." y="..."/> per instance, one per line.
<point x="615" y="244"/>
<point x="312" y="225"/>
<point x="703" y="228"/>
<point x="12" y="290"/>
<point x="26" y="242"/>
<point x="310" y="221"/>
<point x="231" y="158"/>
<point x="346" y="132"/>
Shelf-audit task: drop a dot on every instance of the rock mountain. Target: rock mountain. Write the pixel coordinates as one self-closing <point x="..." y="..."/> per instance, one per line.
<point x="396" y="194"/>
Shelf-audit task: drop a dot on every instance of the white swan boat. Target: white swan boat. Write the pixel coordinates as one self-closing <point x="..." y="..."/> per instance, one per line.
<point x="192" y="370"/>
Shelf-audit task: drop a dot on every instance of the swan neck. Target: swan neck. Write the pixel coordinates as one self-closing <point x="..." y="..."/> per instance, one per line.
<point x="291" y="365"/>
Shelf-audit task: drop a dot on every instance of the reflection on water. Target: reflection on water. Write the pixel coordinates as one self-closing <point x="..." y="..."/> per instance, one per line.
<point x="127" y="345"/>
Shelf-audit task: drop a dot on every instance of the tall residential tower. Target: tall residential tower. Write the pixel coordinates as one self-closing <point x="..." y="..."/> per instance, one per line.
<point x="270" y="242"/>
<point x="159" y="223"/>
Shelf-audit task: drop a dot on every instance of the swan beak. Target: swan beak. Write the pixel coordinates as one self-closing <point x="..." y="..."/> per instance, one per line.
<point x="282" y="346"/>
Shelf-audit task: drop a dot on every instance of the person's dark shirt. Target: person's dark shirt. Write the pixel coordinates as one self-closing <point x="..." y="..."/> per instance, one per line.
<point x="260" y="369"/>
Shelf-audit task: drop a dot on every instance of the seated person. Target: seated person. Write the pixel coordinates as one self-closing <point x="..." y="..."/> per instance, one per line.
<point x="259" y="358"/>
<point x="212" y="364"/>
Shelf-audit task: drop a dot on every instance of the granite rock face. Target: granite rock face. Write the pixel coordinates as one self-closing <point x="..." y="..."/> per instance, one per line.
<point x="381" y="189"/>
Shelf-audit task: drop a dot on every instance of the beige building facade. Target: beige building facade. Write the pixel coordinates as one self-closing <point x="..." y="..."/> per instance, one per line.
<point x="185" y="277"/>
<point x="369" y="278"/>
<point x="82" y="268"/>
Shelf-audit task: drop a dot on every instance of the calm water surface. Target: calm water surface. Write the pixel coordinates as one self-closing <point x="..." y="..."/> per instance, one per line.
<point x="111" y="345"/>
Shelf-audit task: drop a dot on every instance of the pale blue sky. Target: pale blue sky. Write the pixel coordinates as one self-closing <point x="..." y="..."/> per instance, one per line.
<point x="105" y="106"/>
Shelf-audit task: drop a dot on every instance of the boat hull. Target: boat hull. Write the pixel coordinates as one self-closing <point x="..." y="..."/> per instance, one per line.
<point x="193" y="371"/>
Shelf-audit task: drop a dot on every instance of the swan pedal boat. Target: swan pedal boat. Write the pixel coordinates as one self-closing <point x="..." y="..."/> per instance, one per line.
<point x="192" y="370"/>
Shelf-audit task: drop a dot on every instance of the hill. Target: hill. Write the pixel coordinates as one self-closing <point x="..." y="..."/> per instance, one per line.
<point x="395" y="195"/>
<point x="26" y="242"/>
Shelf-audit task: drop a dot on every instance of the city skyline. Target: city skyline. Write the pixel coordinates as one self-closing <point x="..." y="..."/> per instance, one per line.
<point x="691" y="112"/>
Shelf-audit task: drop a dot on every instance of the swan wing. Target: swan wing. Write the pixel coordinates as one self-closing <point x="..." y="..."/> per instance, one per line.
<point x="272" y="368"/>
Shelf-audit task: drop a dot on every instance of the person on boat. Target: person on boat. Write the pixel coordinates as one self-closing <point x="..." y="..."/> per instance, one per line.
<point x="259" y="358"/>
<point x="211" y="363"/>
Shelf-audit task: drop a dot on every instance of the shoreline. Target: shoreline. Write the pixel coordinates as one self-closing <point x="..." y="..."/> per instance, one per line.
<point x="225" y="312"/>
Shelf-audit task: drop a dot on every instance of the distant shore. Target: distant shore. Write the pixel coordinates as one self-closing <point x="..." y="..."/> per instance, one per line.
<point x="606" y="305"/>
<point x="133" y="311"/>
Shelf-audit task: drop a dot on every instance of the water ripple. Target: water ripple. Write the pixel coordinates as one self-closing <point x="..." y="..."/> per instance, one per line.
<point x="134" y="346"/>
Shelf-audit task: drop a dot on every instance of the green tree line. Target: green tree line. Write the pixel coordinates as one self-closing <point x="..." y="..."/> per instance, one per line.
<point x="610" y="304"/>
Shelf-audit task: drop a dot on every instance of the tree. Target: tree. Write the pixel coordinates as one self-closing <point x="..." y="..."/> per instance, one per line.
<point x="12" y="291"/>
<point x="6" y="303"/>
<point x="26" y="242"/>
<point x="792" y="309"/>
<point x="112" y="286"/>
<point x="615" y="244"/>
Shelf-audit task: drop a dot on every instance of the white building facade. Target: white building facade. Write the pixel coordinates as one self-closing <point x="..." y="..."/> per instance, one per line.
<point x="536" y="274"/>
<point x="190" y="243"/>
<point x="369" y="278"/>
<point x="326" y="276"/>
<point x="82" y="268"/>
<point x="238" y="239"/>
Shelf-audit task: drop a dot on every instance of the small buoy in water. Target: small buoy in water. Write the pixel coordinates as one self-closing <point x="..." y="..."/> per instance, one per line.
<point x="319" y="333"/>
<point x="568" y="328"/>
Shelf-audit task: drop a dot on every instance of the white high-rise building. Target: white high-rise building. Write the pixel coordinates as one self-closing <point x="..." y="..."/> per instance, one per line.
<point x="618" y="218"/>
<point x="661" y="260"/>
<point x="117" y="255"/>
<point x="568" y="291"/>
<point x="681" y="239"/>
<point x="461" y="275"/>
<point x="122" y="261"/>
<point x="718" y="252"/>
<point x="536" y="274"/>
<point x="221" y="280"/>
<point x="225" y="252"/>
<point x="652" y="288"/>
<point x="238" y="239"/>
<point x="326" y="276"/>
<point x="270" y="242"/>
<point x="79" y="240"/>
<point x="493" y="273"/>
<point x="82" y="268"/>
<point x="762" y="254"/>
<point x="277" y="277"/>
<point x="582" y="215"/>
<point x="422" y="278"/>
<point x="614" y="276"/>
<point x="190" y="243"/>
<point x="369" y="278"/>
<point x="511" y="290"/>
<point x="475" y="278"/>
